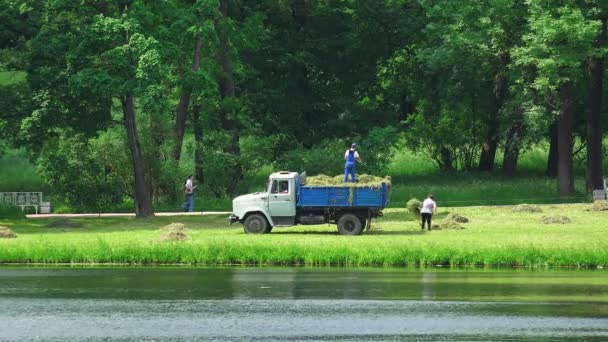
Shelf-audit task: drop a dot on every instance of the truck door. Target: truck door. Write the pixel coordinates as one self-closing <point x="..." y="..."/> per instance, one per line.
<point x="281" y="202"/>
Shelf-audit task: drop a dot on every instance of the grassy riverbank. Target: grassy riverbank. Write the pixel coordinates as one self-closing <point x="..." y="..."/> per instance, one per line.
<point x="496" y="236"/>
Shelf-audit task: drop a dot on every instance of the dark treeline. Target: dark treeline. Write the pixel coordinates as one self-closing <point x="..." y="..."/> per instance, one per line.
<point x="124" y="98"/>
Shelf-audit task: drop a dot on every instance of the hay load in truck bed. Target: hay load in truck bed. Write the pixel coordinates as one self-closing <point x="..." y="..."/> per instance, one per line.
<point x="363" y="181"/>
<point x="323" y="190"/>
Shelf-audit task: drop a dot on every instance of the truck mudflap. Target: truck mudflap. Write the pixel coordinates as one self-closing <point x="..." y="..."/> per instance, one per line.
<point x="232" y="219"/>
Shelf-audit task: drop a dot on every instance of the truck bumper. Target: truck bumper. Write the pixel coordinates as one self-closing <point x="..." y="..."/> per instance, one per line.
<point x="232" y="219"/>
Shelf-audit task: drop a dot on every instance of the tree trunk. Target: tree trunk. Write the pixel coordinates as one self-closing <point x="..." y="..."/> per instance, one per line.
<point x="595" y="73"/>
<point x="565" y="177"/>
<point x="227" y="90"/>
<point x="198" y="146"/>
<point x="143" y="200"/>
<point x="551" y="171"/>
<point x="512" y="148"/>
<point x="488" y="152"/>
<point x="184" y="102"/>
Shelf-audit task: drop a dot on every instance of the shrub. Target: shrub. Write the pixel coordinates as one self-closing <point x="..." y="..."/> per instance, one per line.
<point x="10" y="211"/>
<point x="414" y="206"/>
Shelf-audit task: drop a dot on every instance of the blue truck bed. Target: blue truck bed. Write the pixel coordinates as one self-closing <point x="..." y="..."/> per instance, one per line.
<point x="376" y="197"/>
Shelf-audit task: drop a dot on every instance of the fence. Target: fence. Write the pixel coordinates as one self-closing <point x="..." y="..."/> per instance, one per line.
<point x="22" y="199"/>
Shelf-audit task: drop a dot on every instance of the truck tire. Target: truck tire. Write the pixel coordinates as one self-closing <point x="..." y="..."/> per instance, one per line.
<point x="349" y="224"/>
<point x="255" y="224"/>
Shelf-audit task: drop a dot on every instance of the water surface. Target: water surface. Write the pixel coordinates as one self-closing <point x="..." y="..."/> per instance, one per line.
<point x="300" y="304"/>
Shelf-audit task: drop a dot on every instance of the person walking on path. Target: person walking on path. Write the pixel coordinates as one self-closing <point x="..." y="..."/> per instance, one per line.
<point x="189" y="192"/>
<point x="429" y="208"/>
<point x="351" y="156"/>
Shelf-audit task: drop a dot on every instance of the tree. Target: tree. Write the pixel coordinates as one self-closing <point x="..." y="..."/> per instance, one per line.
<point x="595" y="78"/>
<point x="558" y="41"/>
<point x="99" y="59"/>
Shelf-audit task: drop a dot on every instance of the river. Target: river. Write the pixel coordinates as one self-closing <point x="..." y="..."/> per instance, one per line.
<point x="300" y="304"/>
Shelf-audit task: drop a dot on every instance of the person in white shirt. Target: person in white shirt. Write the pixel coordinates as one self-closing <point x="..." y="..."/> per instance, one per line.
<point x="189" y="192"/>
<point x="351" y="157"/>
<point x="429" y="208"/>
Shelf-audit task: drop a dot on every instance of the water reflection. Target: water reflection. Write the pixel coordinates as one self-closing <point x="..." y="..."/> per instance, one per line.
<point x="139" y="303"/>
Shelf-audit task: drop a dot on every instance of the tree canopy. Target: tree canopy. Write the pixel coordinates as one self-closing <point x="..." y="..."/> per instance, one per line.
<point x="125" y="98"/>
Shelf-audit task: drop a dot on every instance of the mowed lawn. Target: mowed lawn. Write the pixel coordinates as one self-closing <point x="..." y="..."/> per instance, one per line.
<point x="495" y="236"/>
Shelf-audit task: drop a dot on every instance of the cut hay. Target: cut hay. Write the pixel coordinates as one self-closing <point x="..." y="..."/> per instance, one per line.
<point x="6" y="233"/>
<point x="320" y="180"/>
<point x="557" y="219"/>
<point x="414" y="206"/>
<point x="527" y="208"/>
<point x="363" y="181"/>
<point x="598" y="206"/>
<point x="457" y="218"/>
<point x="449" y="224"/>
<point x="64" y="223"/>
<point x="174" y="232"/>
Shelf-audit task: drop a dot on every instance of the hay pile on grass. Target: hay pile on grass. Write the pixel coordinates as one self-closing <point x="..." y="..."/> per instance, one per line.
<point x="598" y="206"/>
<point x="6" y="233"/>
<point x="414" y="206"/>
<point x="363" y="181"/>
<point x="174" y="232"/>
<point x="457" y="218"/>
<point x="64" y="223"/>
<point x="449" y="224"/>
<point x="451" y="221"/>
<point x="527" y="208"/>
<point x="556" y="219"/>
<point x="446" y="224"/>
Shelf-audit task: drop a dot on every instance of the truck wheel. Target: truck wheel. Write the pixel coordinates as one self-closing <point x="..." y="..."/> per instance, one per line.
<point x="255" y="224"/>
<point x="349" y="224"/>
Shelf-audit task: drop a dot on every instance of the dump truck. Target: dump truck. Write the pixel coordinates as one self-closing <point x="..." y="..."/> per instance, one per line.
<point x="287" y="201"/>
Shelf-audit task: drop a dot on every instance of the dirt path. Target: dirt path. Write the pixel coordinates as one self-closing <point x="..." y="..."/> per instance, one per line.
<point x="92" y="215"/>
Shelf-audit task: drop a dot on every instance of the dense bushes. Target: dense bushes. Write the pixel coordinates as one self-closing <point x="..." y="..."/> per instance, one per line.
<point x="10" y="211"/>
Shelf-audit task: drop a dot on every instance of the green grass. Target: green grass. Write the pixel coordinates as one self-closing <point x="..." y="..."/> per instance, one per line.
<point x="494" y="237"/>
<point x="414" y="175"/>
<point x="11" y="77"/>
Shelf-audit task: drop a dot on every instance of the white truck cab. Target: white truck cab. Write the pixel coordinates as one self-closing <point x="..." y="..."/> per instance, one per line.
<point x="277" y="205"/>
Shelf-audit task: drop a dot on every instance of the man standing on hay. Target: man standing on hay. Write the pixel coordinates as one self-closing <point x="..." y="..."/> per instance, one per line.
<point x="352" y="157"/>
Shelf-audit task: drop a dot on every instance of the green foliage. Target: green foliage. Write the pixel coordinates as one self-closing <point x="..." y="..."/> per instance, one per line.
<point x="8" y="211"/>
<point x="17" y="173"/>
<point x="69" y="165"/>
<point x="559" y="40"/>
<point x="325" y="157"/>
<point x="308" y="79"/>
<point x="376" y="150"/>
